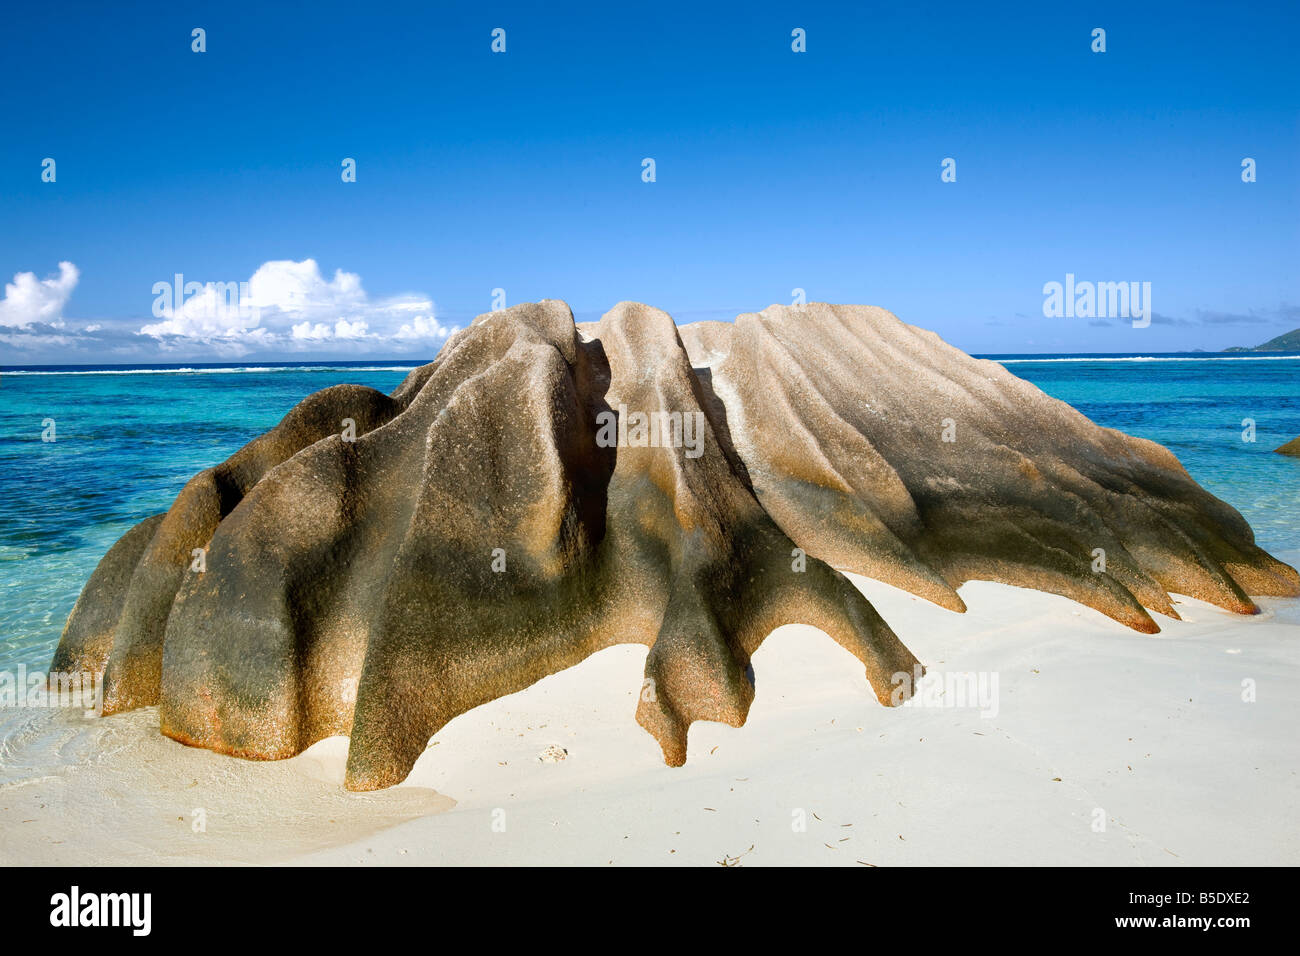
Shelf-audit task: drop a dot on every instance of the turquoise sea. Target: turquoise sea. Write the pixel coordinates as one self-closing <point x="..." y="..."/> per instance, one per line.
<point x="127" y="440"/>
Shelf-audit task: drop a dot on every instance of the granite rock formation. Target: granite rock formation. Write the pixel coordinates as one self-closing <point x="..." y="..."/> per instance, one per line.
<point x="885" y="451"/>
<point x="376" y="565"/>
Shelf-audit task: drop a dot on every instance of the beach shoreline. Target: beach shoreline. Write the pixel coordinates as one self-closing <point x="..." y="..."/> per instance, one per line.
<point x="1092" y="721"/>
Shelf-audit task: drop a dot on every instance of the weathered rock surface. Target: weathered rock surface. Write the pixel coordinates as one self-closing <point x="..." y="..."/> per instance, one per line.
<point x="883" y="450"/>
<point x="1291" y="448"/>
<point x="481" y="532"/>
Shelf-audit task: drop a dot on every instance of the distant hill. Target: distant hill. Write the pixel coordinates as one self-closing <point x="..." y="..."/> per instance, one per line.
<point x="1288" y="342"/>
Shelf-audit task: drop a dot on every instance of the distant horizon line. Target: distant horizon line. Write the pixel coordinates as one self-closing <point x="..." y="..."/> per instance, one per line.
<point x="398" y="364"/>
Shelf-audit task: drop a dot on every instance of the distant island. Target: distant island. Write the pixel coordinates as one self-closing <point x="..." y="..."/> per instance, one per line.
<point x="1287" y="342"/>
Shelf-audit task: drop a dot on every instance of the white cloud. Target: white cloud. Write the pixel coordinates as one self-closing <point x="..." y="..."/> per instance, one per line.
<point x="212" y="310"/>
<point x="422" y="328"/>
<point x="284" y="307"/>
<point x="298" y="288"/>
<point x="320" y="332"/>
<point x="344" y="329"/>
<point x="294" y="305"/>
<point x="29" y="300"/>
<point x="312" y="333"/>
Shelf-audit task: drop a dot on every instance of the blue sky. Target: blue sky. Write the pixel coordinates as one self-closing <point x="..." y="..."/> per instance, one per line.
<point x="522" y="171"/>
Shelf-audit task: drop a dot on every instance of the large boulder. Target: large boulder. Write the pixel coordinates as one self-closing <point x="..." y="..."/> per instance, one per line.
<point x="377" y="565"/>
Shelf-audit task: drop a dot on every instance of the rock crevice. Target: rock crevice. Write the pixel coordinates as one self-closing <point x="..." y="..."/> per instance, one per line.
<point x="473" y="532"/>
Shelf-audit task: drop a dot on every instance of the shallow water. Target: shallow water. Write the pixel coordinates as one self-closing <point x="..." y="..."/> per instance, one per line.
<point x="125" y="446"/>
<point x="127" y="442"/>
<point x="1197" y="409"/>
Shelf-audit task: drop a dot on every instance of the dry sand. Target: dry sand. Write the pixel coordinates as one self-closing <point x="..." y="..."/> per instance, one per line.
<point x="1092" y="720"/>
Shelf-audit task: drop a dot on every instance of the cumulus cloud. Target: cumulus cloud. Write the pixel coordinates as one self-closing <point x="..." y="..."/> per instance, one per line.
<point x="284" y="307"/>
<point x="307" y="332"/>
<point x="287" y="302"/>
<point x="421" y="328"/>
<point x="30" y="301"/>
<point x="342" y="329"/>
<point x="298" y="288"/>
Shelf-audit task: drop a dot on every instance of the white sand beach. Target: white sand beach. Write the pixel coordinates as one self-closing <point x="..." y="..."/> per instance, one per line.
<point x="1092" y="720"/>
